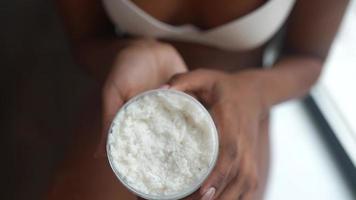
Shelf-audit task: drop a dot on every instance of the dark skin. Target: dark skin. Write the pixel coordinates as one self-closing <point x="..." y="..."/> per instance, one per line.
<point x="231" y="84"/>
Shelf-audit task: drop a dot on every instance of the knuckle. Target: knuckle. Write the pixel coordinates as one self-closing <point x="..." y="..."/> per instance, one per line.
<point x="220" y="182"/>
<point x="175" y="78"/>
<point x="254" y="184"/>
<point x="253" y="181"/>
<point x="231" y="150"/>
<point x="249" y="171"/>
<point x="219" y="179"/>
<point x="220" y="175"/>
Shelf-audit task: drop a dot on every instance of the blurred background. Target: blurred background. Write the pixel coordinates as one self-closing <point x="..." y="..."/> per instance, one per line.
<point x="36" y="69"/>
<point x="313" y="140"/>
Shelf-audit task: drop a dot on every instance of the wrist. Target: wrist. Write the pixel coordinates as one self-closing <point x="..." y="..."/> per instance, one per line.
<point x="268" y="94"/>
<point x="256" y="82"/>
<point x="273" y="86"/>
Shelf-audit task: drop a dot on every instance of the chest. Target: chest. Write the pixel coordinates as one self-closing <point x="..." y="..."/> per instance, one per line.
<point x="205" y="14"/>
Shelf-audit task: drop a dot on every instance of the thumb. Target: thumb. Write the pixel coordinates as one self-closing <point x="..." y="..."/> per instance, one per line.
<point x="193" y="81"/>
<point x="199" y="82"/>
<point x="112" y="102"/>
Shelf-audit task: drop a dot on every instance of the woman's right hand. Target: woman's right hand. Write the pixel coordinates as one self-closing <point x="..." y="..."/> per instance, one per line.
<point x="145" y="64"/>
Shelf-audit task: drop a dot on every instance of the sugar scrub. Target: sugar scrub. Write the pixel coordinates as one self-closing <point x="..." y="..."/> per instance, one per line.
<point x="162" y="144"/>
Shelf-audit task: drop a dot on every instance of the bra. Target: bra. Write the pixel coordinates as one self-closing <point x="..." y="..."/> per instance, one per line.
<point x="245" y="33"/>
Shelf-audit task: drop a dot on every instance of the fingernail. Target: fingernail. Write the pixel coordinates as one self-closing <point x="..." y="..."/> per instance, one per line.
<point x="209" y="194"/>
<point x="165" y="86"/>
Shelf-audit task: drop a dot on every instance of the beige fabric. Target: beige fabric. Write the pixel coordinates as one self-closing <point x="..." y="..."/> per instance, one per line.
<point x="247" y="32"/>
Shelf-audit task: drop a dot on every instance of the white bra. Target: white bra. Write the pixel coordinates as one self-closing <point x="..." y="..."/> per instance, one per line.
<point x="245" y="33"/>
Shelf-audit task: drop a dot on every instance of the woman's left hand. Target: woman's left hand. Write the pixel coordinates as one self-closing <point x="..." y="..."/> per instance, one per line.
<point x="236" y="103"/>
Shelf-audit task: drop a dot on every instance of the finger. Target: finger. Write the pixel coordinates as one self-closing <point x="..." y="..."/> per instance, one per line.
<point x="209" y="195"/>
<point x="112" y="101"/>
<point x="219" y="178"/>
<point x="227" y="166"/>
<point x="196" y="80"/>
<point x="165" y="86"/>
<point x="199" y="82"/>
<point x="244" y="185"/>
<point x="235" y="189"/>
<point x="223" y="173"/>
<point x="251" y="188"/>
<point x="248" y="195"/>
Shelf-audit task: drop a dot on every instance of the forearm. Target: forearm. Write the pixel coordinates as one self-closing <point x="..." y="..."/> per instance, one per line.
<point x="291" y="77"/>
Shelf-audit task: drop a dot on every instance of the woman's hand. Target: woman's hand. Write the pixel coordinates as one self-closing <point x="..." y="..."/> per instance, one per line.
<point x="143" y="65"/>
<point x="237" y="107"/>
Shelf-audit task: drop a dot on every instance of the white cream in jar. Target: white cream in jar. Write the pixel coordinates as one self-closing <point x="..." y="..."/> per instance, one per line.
<point x="162" y="144"/>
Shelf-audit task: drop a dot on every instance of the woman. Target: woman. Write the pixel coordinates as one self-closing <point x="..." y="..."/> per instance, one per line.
<point x="218" y="58"/>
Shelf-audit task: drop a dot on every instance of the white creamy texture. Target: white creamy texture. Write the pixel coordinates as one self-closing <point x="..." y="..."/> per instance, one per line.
<point x="162" y="143"/>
